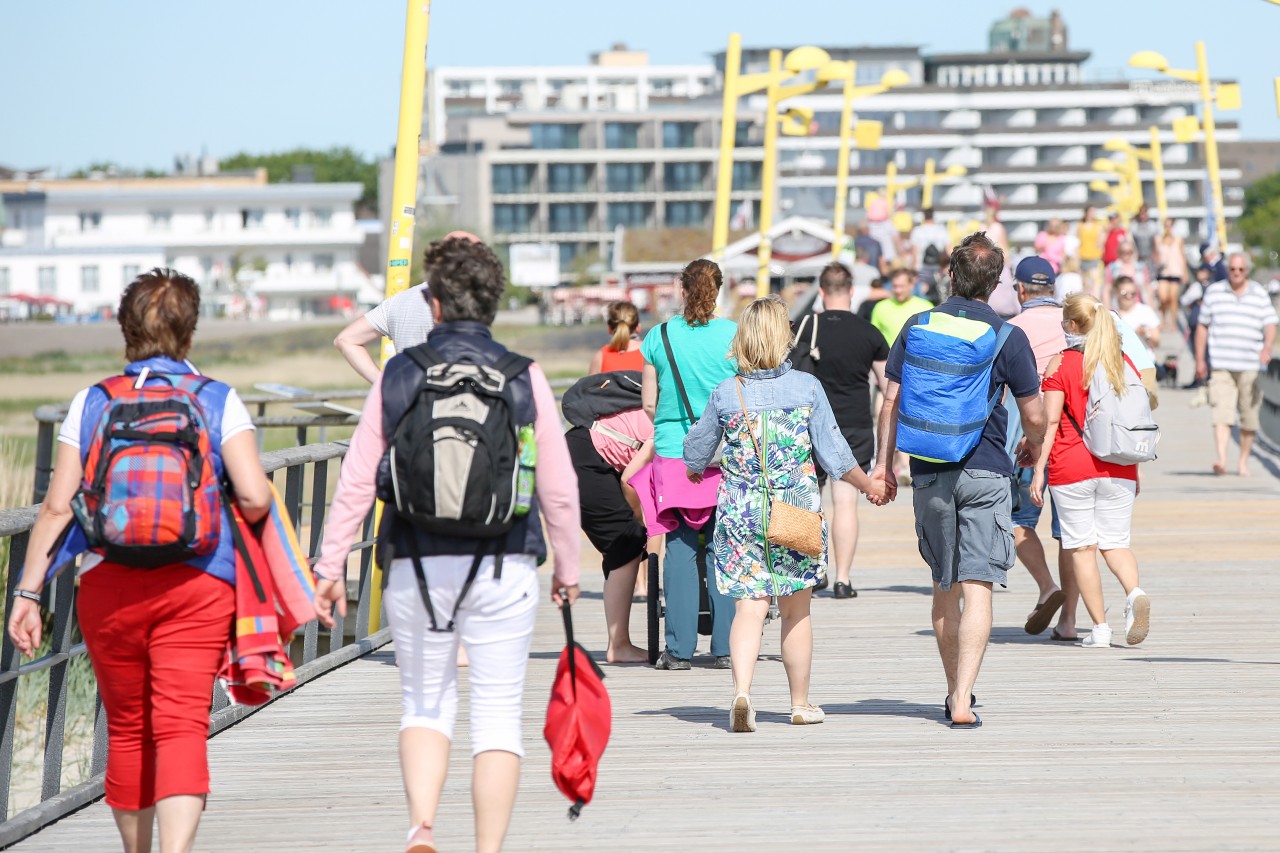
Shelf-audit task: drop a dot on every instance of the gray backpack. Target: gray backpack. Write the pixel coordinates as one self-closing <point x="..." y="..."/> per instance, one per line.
<point x="1118" y="429"/>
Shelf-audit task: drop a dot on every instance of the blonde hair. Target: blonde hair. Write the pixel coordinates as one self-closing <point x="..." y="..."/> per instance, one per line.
<point x="623" y="320"/>
<point x="764" y="335"/>
<point x="1102" y="338"/>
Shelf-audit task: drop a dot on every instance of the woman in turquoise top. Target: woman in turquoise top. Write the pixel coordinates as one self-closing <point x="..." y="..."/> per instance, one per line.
<point x="700" y="344"/>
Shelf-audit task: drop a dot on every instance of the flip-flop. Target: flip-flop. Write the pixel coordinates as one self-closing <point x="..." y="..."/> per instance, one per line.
<point x="1061" y="639"/>
<point x="1044" y="613"/>
<point x="976" y="724"/>
<point x="946" y="705"/>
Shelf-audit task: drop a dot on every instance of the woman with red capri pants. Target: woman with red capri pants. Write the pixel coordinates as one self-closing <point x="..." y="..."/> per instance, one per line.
<point x="156" y="636"/>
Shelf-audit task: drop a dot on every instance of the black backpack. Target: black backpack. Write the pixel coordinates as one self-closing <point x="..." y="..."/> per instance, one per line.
<point x="454" y="455"/>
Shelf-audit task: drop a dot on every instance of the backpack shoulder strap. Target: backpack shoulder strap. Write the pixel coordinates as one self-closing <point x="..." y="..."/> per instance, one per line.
<point x="425" y="356"/>
<point x="1002" y="337"/>
<point x="675" y="373"/>
<point x="114" y="386"/>
<point x="512" y="365"/>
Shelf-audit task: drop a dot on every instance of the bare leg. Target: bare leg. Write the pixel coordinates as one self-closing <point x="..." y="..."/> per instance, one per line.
<point x="1031" y="553"/>
<point x="495" y="775"/>
<point x="946" y="630"/>
<point x="178" y="818"/>
<point x="1246" y="447"/>
<point x="424" y="762"/>
<point x="797" y="643"/>
<point x="1222" y="437"/>
<point x="1085" y="563"/>
<point x="744" y="640"/>
<point x="1124" y="566"/>
<point x="618" y="587"/>
<point x="1071" y="589"/>
<point x="975" y="631"/>
<point x="844" y="527"/>
<point x="135" y="828"/>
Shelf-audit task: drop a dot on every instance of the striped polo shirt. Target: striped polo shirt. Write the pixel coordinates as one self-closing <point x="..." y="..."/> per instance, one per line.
<point x="1236" y="325"/>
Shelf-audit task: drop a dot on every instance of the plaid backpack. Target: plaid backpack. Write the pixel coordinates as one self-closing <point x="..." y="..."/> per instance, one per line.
<point x="150" y="495"/>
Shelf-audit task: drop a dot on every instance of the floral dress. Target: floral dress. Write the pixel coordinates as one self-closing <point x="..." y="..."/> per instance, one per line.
<point x="788" y="413"/>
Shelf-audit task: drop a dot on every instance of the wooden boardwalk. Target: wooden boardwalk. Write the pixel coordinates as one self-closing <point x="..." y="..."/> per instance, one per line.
<point x="1172" y="746"/>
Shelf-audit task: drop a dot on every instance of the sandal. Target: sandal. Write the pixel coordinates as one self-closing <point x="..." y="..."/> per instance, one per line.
<point x="420" y="840"/>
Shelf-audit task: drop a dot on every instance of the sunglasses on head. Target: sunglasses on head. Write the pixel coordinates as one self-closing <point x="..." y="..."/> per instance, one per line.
<point x="1127" y="294"/>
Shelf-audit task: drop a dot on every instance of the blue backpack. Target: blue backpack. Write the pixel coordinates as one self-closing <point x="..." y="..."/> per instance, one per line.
<point x="946" y="385"/>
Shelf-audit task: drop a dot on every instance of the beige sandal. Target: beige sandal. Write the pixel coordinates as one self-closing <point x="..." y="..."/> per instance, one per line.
<point x="742" y="717"/>
<point x="807" y="715"/>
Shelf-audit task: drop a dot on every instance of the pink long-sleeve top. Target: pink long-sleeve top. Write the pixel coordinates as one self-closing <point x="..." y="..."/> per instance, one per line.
<point x="555" y="484"/>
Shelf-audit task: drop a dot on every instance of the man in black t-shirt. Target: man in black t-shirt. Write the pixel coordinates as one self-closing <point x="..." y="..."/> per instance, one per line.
<point x="842" y="350"/>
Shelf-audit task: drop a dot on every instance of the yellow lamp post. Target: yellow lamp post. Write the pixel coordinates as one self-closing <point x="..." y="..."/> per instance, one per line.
<point x="1128" y="193"/>
<point x="795" y="122"/>
<point x="1119" y="194"/>
<point x="931" y="178"/>
<point x="869" y="139"/>
<point x="1153" y="155"/>
<point x="1225" y="95"/>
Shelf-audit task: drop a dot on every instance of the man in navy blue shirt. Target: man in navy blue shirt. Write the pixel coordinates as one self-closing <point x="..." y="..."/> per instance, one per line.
<point x="963" y="508"/>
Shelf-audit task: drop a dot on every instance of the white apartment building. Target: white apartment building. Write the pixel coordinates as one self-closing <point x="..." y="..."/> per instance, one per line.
<point x="290" y="246"/>
<point x="617" y="80"/>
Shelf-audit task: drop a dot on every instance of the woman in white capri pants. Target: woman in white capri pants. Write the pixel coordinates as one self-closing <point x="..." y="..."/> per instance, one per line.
<point x="1094" y="498"/>
<point x="494" y="619"/>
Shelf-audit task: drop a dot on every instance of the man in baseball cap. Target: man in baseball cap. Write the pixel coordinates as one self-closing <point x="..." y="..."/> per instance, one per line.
<point x="1041" y="319"/>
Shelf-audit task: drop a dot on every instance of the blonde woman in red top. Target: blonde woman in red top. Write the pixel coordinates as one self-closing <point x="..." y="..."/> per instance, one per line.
<point x="623" y="350"/>
<point x="1094" y="498"/>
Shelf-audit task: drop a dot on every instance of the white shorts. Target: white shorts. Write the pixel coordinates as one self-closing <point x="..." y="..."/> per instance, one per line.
<point x="1095" y="512"/>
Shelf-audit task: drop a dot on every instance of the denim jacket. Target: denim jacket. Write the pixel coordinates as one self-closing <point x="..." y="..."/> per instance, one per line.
<point x="776" y="390"/>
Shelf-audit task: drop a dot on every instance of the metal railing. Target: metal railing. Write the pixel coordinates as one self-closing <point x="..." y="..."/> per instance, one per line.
<point x="306" y="474"/>
<point x="48" y="418"/>
<point x="1270" y="415"/>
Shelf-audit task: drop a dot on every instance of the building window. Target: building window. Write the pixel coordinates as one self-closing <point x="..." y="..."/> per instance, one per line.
<point x="545" y="136"/>
<point x="293" y="216"/>
<point x="511" y="179"/>
<point x="679" y="134"/>
<point x="4" y="280"/>
<point x="629" y="214"/>
<point x="89" y="279"/>
<point x="288" y="262"/>
<point x="321" y="216"/>
<point x="742" y="135"/>
<point x="746" y="176"/>
<point x="570" y="217"/>
<point x="568" y="251"/>
<point x="160" y="219"/>
<point x="514" y="218"/>
<point x="251" y="217"/>
<point x="621" y="135"/>
<point x="568" y="177"/>
<point x="626" y="177"/>
<point x="683" y="177"/>
<point x="129" y="272"/>
<point x="206" y="269"/>
<point x="210" y="218"/>
<point x="323" y="262"/>
<point x="686" y="214"/>
<point x="90" y="220"/>
<point x="47" y="281"/>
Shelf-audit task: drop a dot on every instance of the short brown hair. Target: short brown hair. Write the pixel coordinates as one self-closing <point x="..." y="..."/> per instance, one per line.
<point x="701" y="282"/>
<point x="158" y="314"/>
<point x="976" y="265"/>
<point x="467" y="278"/>
<point x="835" y="278"/>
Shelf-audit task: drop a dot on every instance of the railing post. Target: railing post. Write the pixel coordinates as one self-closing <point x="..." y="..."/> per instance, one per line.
<point x="8" y="665"/>
<point x="44" y="460"/>
<point x="62" y="601"/>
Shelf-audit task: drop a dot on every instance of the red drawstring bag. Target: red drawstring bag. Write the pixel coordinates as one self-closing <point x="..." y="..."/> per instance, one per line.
<point x="579" y="717"/>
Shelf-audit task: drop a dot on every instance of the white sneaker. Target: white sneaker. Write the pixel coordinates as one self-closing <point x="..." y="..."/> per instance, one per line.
<point x="1099" y="637"/>
<point x="1137" y="617"/>
<point x="742" y="717"/>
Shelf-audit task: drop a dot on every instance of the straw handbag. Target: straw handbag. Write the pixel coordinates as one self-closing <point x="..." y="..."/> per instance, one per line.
<point x="789" y="526"/>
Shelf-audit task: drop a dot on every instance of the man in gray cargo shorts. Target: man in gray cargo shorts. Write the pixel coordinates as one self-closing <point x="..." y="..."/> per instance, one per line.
<point x="962" y="508"/>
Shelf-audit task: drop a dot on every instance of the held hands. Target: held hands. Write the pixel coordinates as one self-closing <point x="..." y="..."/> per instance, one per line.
<point x="888" y="485"/>
<point x="25" y="625"/>
<point x="694" y="476"/>
<point x="875" y="492"/>
<point x="329" y="593"/>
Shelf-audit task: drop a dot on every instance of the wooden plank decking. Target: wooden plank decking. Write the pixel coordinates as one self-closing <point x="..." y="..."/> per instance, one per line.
<point x="1172" y="746"/>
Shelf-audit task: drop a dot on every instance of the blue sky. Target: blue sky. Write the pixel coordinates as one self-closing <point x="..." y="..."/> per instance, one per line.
<point x="136" y="81"/>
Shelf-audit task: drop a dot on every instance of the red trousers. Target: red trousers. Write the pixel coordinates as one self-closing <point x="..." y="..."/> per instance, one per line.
<point x="156" y="638"/>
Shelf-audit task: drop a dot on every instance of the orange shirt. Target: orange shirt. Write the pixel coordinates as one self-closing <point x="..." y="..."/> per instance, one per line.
<point x="611" y="359"/>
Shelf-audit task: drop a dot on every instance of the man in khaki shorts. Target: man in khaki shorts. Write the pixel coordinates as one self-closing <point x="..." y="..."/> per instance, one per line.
<point x="1237" y="331"/>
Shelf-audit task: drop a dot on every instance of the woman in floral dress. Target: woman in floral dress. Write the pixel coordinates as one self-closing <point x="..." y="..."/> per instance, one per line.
<point x="787" y="414"/>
